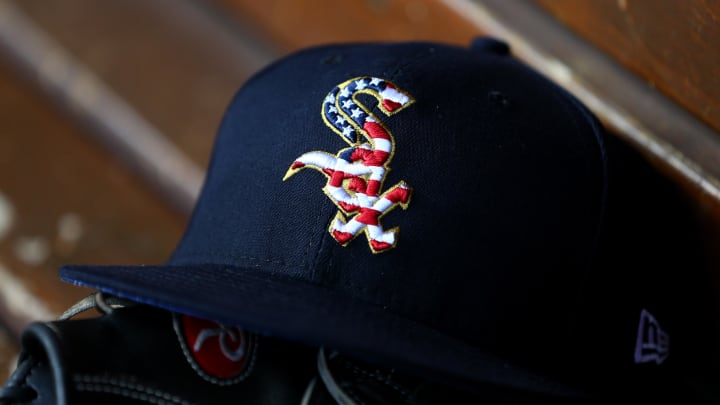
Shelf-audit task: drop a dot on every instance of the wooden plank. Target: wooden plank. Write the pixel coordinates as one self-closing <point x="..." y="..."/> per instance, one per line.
<point x="152" y="78"/>
<point x="173" y="62"/>
<point x="65" y="199"/>
<point x="295" y="24"/>
<point x="673" y="45"/>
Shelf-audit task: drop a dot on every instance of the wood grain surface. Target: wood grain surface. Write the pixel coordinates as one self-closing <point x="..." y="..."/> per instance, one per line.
<point x="295" y="24"/>
<point x="173" y="62"/>
<point x="65" y="199"/>
<point x="673" y="45"/>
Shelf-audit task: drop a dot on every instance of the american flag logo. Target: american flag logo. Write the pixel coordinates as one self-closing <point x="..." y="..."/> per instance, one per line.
<point x="356" y="174"/>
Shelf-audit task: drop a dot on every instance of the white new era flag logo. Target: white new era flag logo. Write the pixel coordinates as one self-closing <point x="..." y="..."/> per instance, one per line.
<point x="653" y="344"/>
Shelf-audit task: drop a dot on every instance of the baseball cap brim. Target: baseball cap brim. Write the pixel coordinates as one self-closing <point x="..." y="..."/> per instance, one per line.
<point x="279" y="306"/>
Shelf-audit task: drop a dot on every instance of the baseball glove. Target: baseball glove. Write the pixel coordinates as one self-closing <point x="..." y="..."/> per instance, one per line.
<point x="138" y="354"/>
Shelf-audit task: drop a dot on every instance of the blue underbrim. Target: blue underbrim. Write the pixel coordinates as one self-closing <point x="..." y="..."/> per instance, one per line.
<point x="278" y="306"/>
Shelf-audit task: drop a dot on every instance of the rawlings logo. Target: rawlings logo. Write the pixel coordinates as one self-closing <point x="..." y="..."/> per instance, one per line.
<point x="220" y="354"/>
<point x="356" y="174"/>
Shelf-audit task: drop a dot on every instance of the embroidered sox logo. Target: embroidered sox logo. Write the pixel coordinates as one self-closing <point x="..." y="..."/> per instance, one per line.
<point x="356" y="174"/>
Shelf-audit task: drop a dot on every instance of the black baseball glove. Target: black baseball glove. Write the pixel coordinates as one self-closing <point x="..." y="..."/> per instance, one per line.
<point x="139" y="354"/>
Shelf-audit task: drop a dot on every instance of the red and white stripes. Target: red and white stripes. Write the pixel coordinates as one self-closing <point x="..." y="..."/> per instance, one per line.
<point x="356" y="174"/>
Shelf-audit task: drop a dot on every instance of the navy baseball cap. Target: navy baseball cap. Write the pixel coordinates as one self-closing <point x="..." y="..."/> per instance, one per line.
<point x="435" y="207"/>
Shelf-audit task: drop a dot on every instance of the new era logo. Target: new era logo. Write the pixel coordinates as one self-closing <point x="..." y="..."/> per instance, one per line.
<point x="653" y="344"/>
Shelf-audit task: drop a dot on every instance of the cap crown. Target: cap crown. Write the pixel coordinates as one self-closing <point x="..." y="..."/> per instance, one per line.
<point x="469" y="196"/>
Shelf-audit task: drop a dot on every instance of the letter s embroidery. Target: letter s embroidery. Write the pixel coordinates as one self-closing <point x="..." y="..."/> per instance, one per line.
<point x="356" y="174"/>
